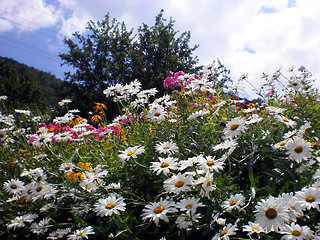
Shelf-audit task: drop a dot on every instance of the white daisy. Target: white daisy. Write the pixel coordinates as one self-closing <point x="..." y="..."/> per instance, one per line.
<point x="13" y="186"/>
<point x="36" y="174"/>
<point x="67" y="167"/>
<point x="275" y="110"/>
<point x="234" y="202"/>
<point x="316" y="175"/>
<point x="131" y="152"/>
<point x="207" y="185"/>
<point x="209" y="164"/>
<point x="20" y="221"/>
<point x="281" y="145"/>
<point x="158" y="210"/>
<point x="295" y="210"/>
<point x="254" y="118"/>
<point x="271" y="214"/>
<point x="227" y="144"/>
<point x="41" y="227"/>
<point x="185" y="221"/>
<point x="41" y="190"/>
<point x="157" y="114"/>
<point x="288" y="122"/>
<point x="190" y="205"/>
<point x="82" y="233"/>
<point x="252" y="228"/>
<point x="306" y="166"/>
<point x="298" y="149"/>
<point x="89" y="185"/>
<point x="197" y="114"/>
<point x="178" y="183"/>
<point x="110" y="205"/>
<point x="164" y="165"/>
<point x="189" y="162"/>
<point x="296" y="232"/>
<point x="229" y="230"/>
<point x="308" y="198"/>
<point x="59" y="233"/>
<point x="234" y="128"/>
<point x="168" y="147"/>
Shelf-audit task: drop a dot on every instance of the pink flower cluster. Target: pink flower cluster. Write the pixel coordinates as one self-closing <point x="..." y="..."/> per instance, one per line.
<point x="172" y="80"/>
<point x="67" y="134"/>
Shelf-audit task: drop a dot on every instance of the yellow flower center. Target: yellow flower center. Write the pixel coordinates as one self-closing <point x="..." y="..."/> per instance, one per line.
<point x="67" y="168"/>
<point x="157" y="114"/>
<point x="14" y="186"/>
<point x="189" y="206"/>
<point x="131" y="153"/>
<point x="187" y="219"/>
<point x="20" y="220"/>
<point x="293" y="208"/>
<point x="271" y="213"/>
<point x="56" y="235"/>
<point x="80" y="234"/>
<point x="234" y="126"/>
<point x="158" y="209"/>
<point x="210" y="163"/>
<point x="282" y="144"/>
<point x="223" y="233"/>
<point x="285" y="120"/>
<point x="255" y="229"/>
<point x="233" y="203"/>
<point x="88" y="187"/>
<point x="166" y="148"/>
<point x="179" y="184"/>
<point x="310" y="199"/>
<point x="296" y="233"/>
<point x="39" y="189"/>
<point x="208" y="183"/>
<point x="110" y="206"/>
<point x="164" y="165"/>
<point x="298" y="149"/>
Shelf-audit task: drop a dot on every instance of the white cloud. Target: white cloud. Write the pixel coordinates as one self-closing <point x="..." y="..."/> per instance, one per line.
<point x="27" y="15"/>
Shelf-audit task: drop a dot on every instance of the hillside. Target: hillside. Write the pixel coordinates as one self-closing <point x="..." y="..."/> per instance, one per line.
<point x="30" y="88"/>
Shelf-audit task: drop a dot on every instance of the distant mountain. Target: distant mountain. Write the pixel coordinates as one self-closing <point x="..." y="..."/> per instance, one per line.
<point x="30" y="88"/>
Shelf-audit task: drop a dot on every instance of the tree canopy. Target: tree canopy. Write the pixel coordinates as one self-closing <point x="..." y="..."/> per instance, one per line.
<point x="109" y="53"/>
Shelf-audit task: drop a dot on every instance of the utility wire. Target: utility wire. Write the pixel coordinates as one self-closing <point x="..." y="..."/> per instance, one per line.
<point x="28" y="47"/>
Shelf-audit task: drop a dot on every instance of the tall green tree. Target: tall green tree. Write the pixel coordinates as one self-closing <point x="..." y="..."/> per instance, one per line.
<point x="110" y="54"/>
<point x="159" y="50"/>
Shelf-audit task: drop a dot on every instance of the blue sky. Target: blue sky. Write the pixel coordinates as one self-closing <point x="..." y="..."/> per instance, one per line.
<point x="248" y="36"/>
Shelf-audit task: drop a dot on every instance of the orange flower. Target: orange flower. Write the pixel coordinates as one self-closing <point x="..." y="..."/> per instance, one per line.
<point x="75" y="176"/>
<point x="251" y="105"/>
<point x="96" y="118"/>
<point x="75" y="121"/>
<point x="84" y="165"/>
<point x="99" y="107"/>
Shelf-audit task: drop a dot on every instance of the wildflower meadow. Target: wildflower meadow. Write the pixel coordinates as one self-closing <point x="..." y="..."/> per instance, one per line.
<point x="197" y="163"/>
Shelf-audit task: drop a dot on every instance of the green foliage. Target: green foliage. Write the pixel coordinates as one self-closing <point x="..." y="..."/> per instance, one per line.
<point x="220" y="146"/>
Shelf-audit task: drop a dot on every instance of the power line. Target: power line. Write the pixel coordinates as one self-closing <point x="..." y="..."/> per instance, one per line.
<point x="28" y="47"/>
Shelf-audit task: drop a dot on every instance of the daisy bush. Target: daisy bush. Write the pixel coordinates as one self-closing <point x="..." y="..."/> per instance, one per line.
<point x="196" y="163"/>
